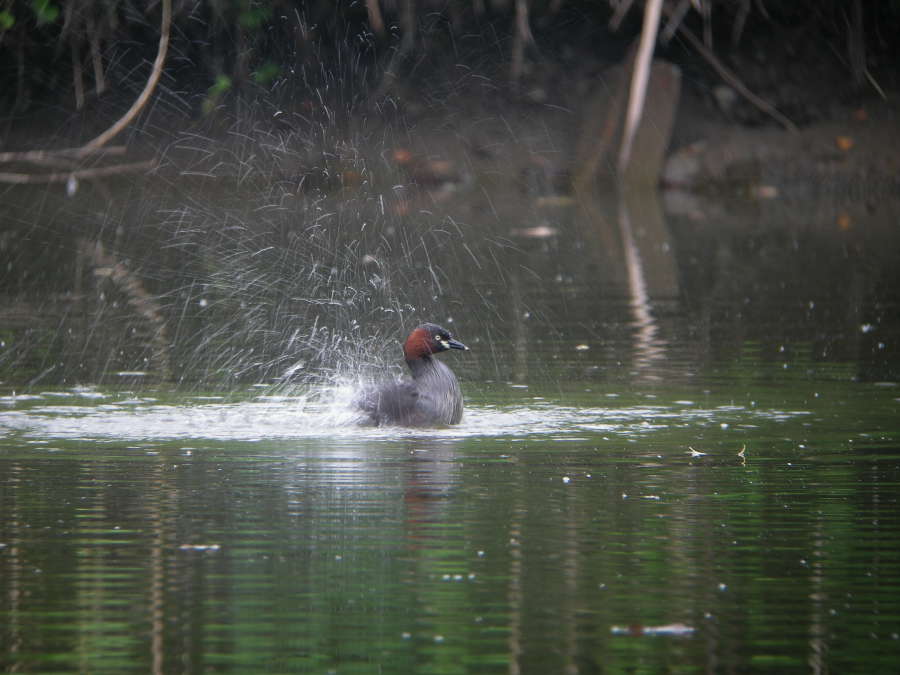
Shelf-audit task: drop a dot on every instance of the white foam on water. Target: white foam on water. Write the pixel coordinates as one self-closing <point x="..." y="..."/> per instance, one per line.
<point x="329" y="413"/>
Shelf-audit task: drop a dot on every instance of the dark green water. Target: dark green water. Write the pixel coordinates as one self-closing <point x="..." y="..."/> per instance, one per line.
<point x="182" y="489"/>
<point x="165" y="533"/>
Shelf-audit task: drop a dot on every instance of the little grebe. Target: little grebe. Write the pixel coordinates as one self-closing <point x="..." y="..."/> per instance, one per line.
<point x="431" y="398"/>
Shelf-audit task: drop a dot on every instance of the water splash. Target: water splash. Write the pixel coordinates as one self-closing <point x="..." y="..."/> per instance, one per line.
<point x="328" y="413"/>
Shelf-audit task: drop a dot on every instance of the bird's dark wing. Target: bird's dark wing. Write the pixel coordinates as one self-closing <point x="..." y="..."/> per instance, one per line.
<point x="391" y="403"/>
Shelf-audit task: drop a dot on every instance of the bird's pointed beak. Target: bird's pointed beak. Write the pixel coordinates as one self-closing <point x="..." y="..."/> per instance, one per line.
<point x="456" y="344"/>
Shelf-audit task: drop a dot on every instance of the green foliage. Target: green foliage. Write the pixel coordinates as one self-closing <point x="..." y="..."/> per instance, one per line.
<point x="45" y="11"/>
<point x="220" y="86"/>
<point x="214" y="94"/>
<point x="253" y="18"/>
<point x="266" y="73"/>
<point x="7" y="20"/>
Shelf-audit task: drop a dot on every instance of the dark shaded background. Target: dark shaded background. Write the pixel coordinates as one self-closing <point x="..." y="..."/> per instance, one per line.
<point x="799" y="55"/>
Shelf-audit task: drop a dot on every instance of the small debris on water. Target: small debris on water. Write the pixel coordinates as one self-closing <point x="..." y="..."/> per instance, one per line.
<point x="200" y="547"/>
<point x="536" y="232"/>
<point x="673" y="629"/>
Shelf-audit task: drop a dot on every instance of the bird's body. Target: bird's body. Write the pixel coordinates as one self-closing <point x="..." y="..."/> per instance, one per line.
<point x="431" y="397"/>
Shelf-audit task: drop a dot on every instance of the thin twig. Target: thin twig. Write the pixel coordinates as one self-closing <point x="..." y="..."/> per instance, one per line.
<point x="521" y="37"/>
<point x="136" y="107"/>
<point x="97" y="145"/>
<point x="740" y="21"/>
<point x="77" y="79"/>
<point x="619" y="14"/>
<point x="675" y="19"/>
<point x="408" y="26"/>
<point x="376" y="21"/>
<point x="65" y="176"/>
<point x="96" y="57"/>
<point x="875" y="85"/>
<point x="39" y="156"/>
<point x="733" y="79"/>
<point x="706" y="13"/>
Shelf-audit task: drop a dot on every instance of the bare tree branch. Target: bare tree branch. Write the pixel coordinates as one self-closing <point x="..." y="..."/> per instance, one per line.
<point x="619" y="14"/>
<point x="733" y="79"/>
<point x="40" y="156"/>
<point x="375" y="19"/>
<point x="97" y="145"/>
<point x="640" y="76"/>
<point x="65" y="176"/>
<point x="521" y="37"/>
<point x="141" y="101"/>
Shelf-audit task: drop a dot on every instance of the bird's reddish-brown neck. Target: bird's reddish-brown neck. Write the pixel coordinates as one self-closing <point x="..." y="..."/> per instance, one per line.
<point x="417" y="345"/>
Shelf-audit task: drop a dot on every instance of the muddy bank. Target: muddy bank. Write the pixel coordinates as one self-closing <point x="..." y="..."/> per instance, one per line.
<point x="450" y="131"/>
<point x="851" y="154"/>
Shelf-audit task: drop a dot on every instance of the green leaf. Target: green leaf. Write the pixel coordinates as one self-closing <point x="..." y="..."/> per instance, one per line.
<point x="218" y="89"/>
<point x="266" y="73"/>
<point x="253" y="18"/>
<point x="7" y="20"/>
<point x="220" y="86"/>
<point x="45" y="11"/>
